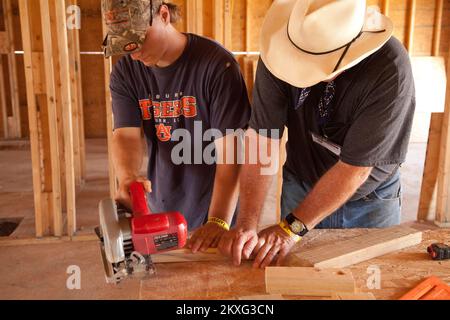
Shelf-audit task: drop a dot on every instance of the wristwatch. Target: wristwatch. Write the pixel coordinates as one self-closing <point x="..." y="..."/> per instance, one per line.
<point x="296" y="225"/>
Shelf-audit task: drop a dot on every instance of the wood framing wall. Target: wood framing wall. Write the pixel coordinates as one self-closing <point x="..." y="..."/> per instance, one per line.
<point x="236" y="24"/>
<point x="62" y="78"/>
<point x="53" y="104"/>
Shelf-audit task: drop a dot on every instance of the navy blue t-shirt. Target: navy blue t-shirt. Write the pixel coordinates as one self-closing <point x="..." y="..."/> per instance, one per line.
<point x="204" y="89"/>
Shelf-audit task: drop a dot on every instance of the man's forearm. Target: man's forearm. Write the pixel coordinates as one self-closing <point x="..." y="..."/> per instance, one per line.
<point x="253" y="192"/>
<point x="127" y="154"/>
<point x="331" y="192"/>
<point x="254" y="184"/>
<point x="226" y="192"/>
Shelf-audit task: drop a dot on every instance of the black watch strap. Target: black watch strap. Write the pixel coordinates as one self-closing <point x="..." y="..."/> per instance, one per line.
<point x="296" y="225"/>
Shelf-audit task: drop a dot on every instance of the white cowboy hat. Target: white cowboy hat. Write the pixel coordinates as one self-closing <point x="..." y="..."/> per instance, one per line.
<point x="304" y="42"/>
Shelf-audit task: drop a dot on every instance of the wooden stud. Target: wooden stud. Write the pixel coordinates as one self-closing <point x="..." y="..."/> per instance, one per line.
<point x="109" y="122"/>
<point x="308" y="281"/>
<point x="4" y="43"/>
<point x="427" y="202"/>
<point x="256" y="12"/>
<point x="358" y="249"/>
<point x="12" y="66"/>
<point x="228" y="24"/>
<point x="218" y="21"/>
<point x="77" y="104"/>
<point x="33" y="117"/>
<point x="443" y="198"/>
<point x="194" y="16"/>
<point x="66" y="100"/>
<point x="437" y="27"/>
<point x="385" y="7"/>
<point x="412" y="5"/>
<point x="3" y="105"/>
<point x="53" y="125"/>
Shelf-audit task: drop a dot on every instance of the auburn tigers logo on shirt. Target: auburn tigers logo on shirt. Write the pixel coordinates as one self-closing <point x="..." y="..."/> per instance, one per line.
<point x="184" y="107"/>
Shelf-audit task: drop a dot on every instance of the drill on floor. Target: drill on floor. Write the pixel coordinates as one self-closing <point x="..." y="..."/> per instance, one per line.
<point x="439" y="251"/>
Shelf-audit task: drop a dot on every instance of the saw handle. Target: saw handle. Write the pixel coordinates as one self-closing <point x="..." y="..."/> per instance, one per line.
<point x="139" y="200"/>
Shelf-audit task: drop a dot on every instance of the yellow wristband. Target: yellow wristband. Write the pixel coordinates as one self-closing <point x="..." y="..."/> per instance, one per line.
<point x="219" y="222"/>
<point x="286" y="229"/>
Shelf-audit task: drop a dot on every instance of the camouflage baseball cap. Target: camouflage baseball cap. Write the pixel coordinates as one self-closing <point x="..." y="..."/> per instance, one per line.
<point x="126" y="24"/>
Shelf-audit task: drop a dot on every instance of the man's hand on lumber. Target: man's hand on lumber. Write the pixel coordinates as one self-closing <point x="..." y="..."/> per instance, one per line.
<point x="238" y="244"/>
<point x="205" y="237"/>
<point x="273" y="243"/>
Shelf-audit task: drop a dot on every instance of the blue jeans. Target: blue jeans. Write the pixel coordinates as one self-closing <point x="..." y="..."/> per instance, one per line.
<point x="380" y="209"/>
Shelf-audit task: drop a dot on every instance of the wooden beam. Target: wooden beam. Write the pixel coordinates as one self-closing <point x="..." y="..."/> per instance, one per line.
<point x="437" y="27"/>
<point x="427" y="202"/>
<point x="53" y="123"/>
<point x="33" y="118"/>
<point x="109" y="122"/>
<point x="308" y="281"/>
<point x="410" y="26"/>
<point x="12" y="242"/>
<point x="12" y="66"/>
<point x="77" y="103"/>
<point x="62" y="39"/>
<point x="385" y="6"/>
<point x="262" y="297"/>
<point x="443" y="198"/>
<point x="185" y="255"/>
<point x="194" y="16"/>
<point x="352" y="296"/>
<point x="218" y="21"/>
<point x="3" y="105"/>
<point x="256" y="12"/>
<point x="373" y="244"/>
<point x="4" y="43"/>
<point x="228" y="24"/>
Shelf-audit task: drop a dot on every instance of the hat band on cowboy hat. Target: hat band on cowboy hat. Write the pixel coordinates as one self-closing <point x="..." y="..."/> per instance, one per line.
<point x="304" y="42"/>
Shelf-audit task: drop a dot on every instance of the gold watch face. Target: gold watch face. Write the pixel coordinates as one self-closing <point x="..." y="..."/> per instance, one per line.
<point x="296" y="227"/>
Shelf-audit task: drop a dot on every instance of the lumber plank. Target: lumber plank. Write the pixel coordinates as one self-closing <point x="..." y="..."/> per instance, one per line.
<point x="373" y="244"/>
<point x="308" y="281"/>
<point x="427" y="202"/>
<point x="228" y="24"/>
<point x="4" y="43"/>
<point x="109" y="122"/>
<point x="194" y="16"/>
<point x="352" y="296"/>
<point x="185" y="255"/>
<point x="33" y="118"/>
<point x="437" y="28"/>
<point x="77" y="102"/>
<point x="12" y="242"/>
<point x="262" y="297"/>
<point x="3" y="105"/>
<point x="443" y="199"/>
<point x="411" y="20"/>
<point x="66" y="100"/>
<point x="218" y="21"/>
<point x="54" y="133"/>
<point x="12" y="66"/>
<point x="385" y="6"/>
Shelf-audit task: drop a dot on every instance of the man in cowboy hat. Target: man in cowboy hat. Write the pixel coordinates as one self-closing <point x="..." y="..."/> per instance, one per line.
<point x="333" y="74"/>
<point x="173" y="85"/>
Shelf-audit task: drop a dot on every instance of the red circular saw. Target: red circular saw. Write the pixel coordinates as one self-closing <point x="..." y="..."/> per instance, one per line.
<point x="128" y="239"/>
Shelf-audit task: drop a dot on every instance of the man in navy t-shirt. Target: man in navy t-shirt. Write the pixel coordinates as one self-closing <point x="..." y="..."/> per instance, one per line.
<point x="185" y="93"/>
